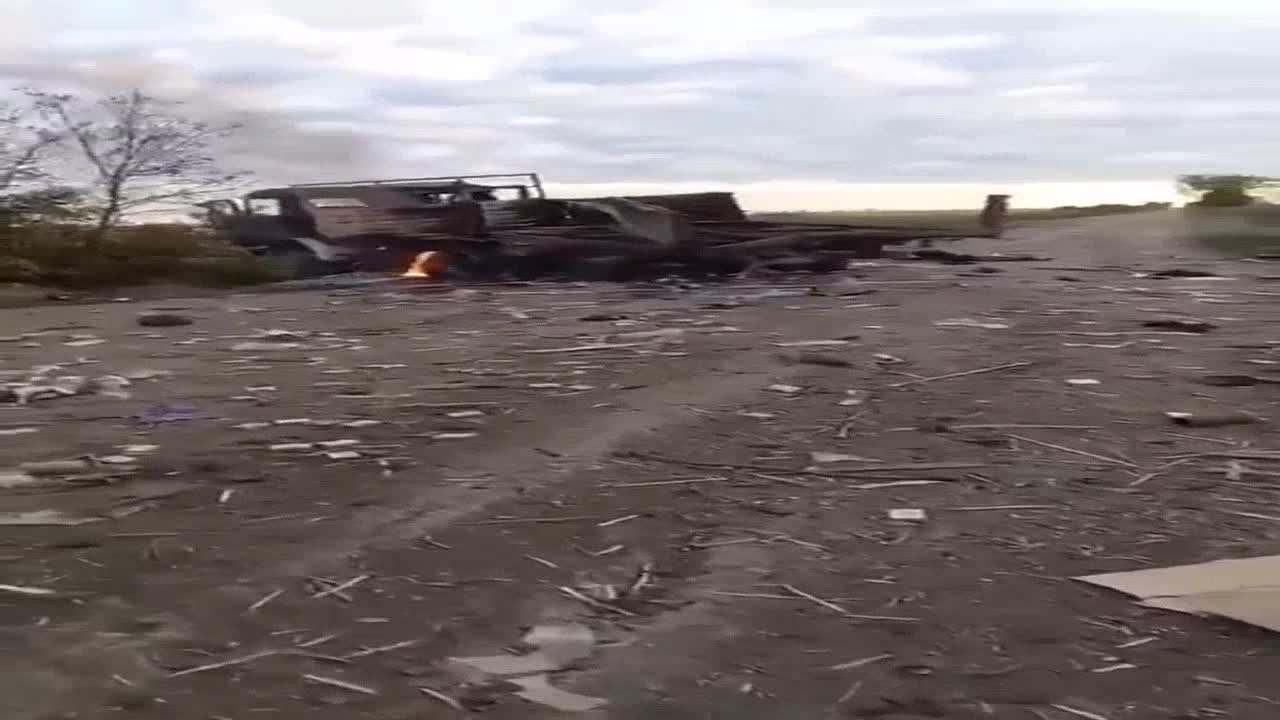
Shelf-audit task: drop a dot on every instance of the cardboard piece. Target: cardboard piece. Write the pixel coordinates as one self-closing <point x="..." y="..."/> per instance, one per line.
<point x="1246" y="590"/>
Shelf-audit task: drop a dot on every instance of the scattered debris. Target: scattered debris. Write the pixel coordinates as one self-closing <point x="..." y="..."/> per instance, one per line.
<point x="508" y="665"/>
<point x="85" y="342"/>
<point x="36" y="518"/>
<point x="537" y="689"/>
<point x="10" y="479"/>
<point x="854" y="398"/>
<point x="600" y="605"/>
<point x="455" y="436"/>
<point x="839" y="610"/>
<point x="265" y="599"/>
<point x="446" y="699"/>
<point x="556" y="647"/>
<point x="1072" y="451"/>
<point x="852" y="664"/>
<point x="966" y="373"/>
<point x="563" y="643"/>
<point x="11" y="432"/>
<point x="243" y="660"/>
<point x="341" y="684"/>
<point x="27" y="591"/>
<point x="1241" y="589"/>
<point x="971" y="323"/>
<point x="1078" y="712"/>
<point x="812" y="343"/>
<point x="830" y="457"/>
<point x="618" y="521"/>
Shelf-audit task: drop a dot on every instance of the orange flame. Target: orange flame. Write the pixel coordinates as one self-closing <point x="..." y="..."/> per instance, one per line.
<point x="426" y="265"/>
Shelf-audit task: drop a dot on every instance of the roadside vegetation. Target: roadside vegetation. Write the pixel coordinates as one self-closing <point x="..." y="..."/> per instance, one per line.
<point x="1231" y="214"/>
<point x="78" y="180"/>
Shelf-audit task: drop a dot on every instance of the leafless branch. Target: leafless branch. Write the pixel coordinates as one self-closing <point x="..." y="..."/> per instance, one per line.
<point x="141" y="151"/>
<point x="22" y="146"/>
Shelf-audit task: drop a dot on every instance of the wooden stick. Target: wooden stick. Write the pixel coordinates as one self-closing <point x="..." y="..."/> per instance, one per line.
<point x="442" y="698"/>
<point x="594" y="603"/>
<point x="1159" y="471"/>
<point x="1073" y="451"/>
<point x="333" y="682"/>
<point x="263" y="602"/>
<point x="514" y="521"/>
<point x="384" y="648"/>
<point x="1078" y="712"/>
<point x="225" y="663"/>
<point x="906" y="467"/>
<point x="661" y="483"/>
<point x="344" y="586"/>
<point x="861" y="663"/>
<point x="1015" y="426"/>
<point x="837" y="609"/>
<point x="967" y="373"/>
<point x="983" y="508"/>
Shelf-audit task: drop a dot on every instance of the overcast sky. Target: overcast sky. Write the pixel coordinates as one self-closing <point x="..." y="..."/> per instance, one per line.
<point x="799" y="103"/>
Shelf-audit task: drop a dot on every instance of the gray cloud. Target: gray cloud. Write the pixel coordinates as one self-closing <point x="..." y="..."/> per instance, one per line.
<point x="720" y="90"/>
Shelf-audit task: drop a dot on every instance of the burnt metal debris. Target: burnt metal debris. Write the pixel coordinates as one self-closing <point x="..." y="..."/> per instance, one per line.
<point x="490" y="227"/>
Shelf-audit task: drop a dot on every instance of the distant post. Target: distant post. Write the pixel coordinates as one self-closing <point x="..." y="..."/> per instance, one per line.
<point x="993" y="215"/>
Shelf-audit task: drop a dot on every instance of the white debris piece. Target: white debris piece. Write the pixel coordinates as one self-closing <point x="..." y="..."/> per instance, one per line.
<point x="830" y="457"/>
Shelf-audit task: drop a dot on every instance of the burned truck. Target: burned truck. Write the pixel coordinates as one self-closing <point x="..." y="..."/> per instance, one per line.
<point x="321" y="228"/>
<point x="382" y="225"/>
<point x="504" y="226"/>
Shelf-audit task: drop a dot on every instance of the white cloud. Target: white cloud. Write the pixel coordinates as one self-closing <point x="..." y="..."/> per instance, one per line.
<point x="736" y="92"/>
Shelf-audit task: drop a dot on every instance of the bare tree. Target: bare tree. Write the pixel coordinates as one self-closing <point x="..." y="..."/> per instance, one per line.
<point x="22" y="146"/>
<point x="141" y="152"/>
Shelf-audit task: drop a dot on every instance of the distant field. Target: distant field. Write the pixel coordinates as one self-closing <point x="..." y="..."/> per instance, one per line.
<point x="957" y="219"/>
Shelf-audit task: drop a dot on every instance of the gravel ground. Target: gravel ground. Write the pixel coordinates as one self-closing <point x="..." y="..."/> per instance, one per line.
<point x="332" y="492"/>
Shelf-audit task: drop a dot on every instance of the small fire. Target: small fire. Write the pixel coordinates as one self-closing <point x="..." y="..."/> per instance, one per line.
<point x="426" y="265"/>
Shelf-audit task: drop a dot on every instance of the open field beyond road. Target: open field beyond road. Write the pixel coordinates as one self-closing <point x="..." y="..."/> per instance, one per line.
<point x="967" y="219"/>
<point x="333" y="492"/>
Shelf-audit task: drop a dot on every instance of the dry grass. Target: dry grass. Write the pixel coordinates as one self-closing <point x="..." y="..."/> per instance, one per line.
<point x="56" y="254"/>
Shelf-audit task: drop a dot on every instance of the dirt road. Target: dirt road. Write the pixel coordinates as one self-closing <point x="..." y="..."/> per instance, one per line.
<point x="331" y="493"/>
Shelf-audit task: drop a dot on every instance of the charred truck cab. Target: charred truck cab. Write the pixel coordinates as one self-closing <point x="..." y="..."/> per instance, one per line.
<point x="378" y="225"/>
